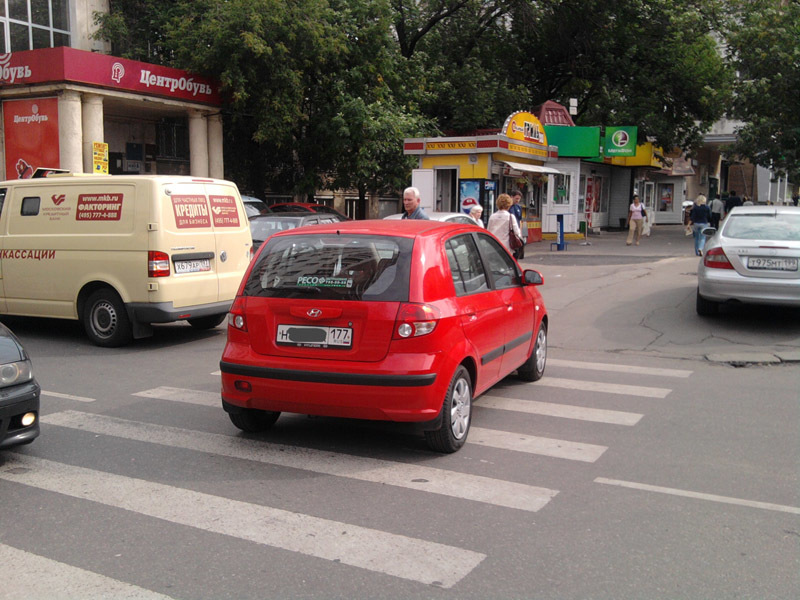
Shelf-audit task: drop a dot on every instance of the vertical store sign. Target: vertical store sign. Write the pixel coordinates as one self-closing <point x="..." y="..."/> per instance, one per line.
<point x="31" y="136"/>
<point x="589" y="200"/>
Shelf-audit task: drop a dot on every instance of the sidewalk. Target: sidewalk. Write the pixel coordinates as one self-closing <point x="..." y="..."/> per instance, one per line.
<point x="608" y="247"/>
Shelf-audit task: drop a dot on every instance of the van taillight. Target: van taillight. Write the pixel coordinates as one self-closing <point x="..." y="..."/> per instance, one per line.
<point x="414" y="320"/>
<point x="236" y="318"/>
<point x="157" y="264"/>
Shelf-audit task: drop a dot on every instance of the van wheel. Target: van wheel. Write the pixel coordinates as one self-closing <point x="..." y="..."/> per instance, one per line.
<point x="455" y="417"/>
<point x="533" y="368"/>
<point x="251" y="420"/>
<point x="207" y="322"/>
<point x="105" y="320"/>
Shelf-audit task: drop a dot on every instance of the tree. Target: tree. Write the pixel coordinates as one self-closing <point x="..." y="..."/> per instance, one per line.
<point x="764" y="48"/>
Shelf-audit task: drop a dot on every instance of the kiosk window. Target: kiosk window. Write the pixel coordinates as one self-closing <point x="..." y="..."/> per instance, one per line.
<point x="30" y="206"/>
<point x="2" y="199"/>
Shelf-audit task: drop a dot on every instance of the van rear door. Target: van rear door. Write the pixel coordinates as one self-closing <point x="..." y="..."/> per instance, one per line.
<point x="231" y="235"/>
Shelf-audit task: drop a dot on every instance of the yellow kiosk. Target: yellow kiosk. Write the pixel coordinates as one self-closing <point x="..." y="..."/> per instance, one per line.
<point x="457" y="172"/>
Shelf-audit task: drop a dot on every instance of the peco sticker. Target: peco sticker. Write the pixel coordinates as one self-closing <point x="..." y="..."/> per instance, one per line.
<point x="97" y="207"/>
<point x="191" y="211"/>
<point x="224" y="211"/>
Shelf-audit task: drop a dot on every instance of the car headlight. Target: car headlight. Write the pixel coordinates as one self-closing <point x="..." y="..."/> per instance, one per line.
<point x="15" y="373"/>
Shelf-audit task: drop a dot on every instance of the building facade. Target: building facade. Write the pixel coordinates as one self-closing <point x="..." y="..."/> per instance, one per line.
<point x="67" y="104"/>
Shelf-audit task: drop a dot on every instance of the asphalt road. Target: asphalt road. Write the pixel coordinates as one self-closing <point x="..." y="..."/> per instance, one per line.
<point x="636" y="468"/>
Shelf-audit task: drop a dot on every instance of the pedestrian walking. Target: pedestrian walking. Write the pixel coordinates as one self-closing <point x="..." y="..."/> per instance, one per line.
<point x="636" y="217"/>
<point x="699" y="218"/>
<point x="502" y="222"/>
<point x="516" y="209"/>
<point x="717" y="208"/>
<point x="411" y="205"/>
<point x="746" y="201"/>
<point x="732" y="202"/>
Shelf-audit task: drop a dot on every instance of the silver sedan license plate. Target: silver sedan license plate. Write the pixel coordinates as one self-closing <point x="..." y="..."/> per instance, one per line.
<point x="314" y="337"/>
<point x="771" y="264"/>
<point x="192" y="266"/>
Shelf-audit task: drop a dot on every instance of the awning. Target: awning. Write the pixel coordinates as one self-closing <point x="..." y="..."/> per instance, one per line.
<point x="531" y="168"/>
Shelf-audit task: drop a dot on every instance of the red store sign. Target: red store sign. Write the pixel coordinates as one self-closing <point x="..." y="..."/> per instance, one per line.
<point x="47" y="65"/>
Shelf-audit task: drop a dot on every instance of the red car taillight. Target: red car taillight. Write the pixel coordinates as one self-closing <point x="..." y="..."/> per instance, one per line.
<point x="236" y="318"/>
<point x="414" y="320"/>
<point x="157" y="264"/>
<point x="716" y="259"/>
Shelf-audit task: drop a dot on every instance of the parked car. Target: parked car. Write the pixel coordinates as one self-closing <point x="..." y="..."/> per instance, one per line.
<point x="447" y="217"/>
<point x="383" y="320"/>
<point x="307" y="207"/>
<point x="263" y="226"/>
<point x="753" y="259"/>
<point x="253" y="206"/>
<point x="19" y="393"/>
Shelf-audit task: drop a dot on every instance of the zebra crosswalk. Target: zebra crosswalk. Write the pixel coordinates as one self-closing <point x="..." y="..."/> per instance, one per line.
<point x="425" y="557"/>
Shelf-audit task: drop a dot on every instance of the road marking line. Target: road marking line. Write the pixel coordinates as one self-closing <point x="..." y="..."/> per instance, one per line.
<point x="379" y="551"/>
<point x="605" y="388"/>
<point x="67" y="396"/>
<point x="532" y="444"/>
<point x="47" y="578"/>
<point x="592" y="366"/>
<point x="416" y="477"/>
<point x="699" y="495"/>
<point x="217" y="373"/>
<point x="183" y="395"/>
<point x="566" y="411"/>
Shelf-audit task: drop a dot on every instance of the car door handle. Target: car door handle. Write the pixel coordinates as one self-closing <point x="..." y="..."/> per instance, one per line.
<point x="470" y="314"/>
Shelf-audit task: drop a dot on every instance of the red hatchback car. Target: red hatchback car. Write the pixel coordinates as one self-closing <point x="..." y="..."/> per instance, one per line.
<point x="386" y="320"/>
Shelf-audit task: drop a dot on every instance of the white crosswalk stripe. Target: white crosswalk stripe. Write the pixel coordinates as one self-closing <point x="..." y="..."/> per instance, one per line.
<point x="601" y="387"/>
<point x="613" y="368"/>
<point x="417" y="477"/>
<point x="35" y="576"/>
<point x="183" y="395"/>
<point x="532" y="444"/>
<point x="67" y="396"/>
<point x="405" y="557"/>
<point x="566" y="411"/>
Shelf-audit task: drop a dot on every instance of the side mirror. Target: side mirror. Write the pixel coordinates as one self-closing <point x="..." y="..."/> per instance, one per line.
<point x="532" y="277"/>
<point x="709" y="231"/>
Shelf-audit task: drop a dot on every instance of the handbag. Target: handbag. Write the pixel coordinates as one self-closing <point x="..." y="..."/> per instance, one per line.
<point x="514" y="241"/>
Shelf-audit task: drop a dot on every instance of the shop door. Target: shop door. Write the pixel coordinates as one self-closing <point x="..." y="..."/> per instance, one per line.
<point x="649" y="200"/>
<point x="446" y="196"/>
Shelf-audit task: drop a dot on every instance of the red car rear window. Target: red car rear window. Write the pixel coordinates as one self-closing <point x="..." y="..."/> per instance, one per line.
<point x="333" y="267"/>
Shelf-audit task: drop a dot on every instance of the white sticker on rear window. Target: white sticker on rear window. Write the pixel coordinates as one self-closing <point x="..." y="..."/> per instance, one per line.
<point x="311" y="280"/>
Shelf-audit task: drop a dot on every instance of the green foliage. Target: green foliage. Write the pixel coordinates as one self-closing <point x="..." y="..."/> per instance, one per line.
<point x="764" y="44"/>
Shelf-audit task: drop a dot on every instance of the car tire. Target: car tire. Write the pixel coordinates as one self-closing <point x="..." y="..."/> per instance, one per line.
<point x="251" y="420"/>
<point x="105" y="319"/>
<point x="455" y="416"/>
<point x="533" y="368"/>
<point x="705" y="307"/>
<point x="207" y="322"/>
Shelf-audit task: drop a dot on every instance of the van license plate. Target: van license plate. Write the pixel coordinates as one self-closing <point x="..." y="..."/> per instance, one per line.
<point x="192" y="266"/>
<point x="772" y="264"/>
<point x="314" y="337"/>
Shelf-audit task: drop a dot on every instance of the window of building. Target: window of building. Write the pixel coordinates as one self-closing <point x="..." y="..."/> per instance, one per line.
<point x="31" y="24"/>
<point x="173" y="139"/>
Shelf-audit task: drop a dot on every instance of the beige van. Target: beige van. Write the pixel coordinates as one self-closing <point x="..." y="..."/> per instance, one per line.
<point x="120" y="252"/>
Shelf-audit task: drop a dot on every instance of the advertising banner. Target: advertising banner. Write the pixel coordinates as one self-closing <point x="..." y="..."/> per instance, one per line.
<point x="31" y="136"/>
<point x="190" y="211"/>
<point x="224" y="212"/>
<point x="620" y="141"/>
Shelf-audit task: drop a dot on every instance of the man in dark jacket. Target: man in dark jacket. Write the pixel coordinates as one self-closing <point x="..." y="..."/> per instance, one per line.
<point x="411" y="207"/>
<point x="733" y="200"/>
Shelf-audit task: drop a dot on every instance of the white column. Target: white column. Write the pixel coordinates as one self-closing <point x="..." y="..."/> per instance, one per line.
<point x="70" y="135"/>
<point x="216" y="166"/>
<point x="198" y="144"/>
<point x="92" y="119"/>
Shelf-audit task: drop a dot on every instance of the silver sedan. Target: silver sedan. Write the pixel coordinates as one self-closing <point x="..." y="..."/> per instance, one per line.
<point x="449" y="217"/>
<point x="752" y="259"/>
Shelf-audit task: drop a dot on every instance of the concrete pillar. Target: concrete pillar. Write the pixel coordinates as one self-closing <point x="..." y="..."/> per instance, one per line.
<point x="70" y="131"/>
<point x="198" y="144"/>
<point x="339" y="202"/>
<point x="92" y="120"/>
<point x="216" y="166"/>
